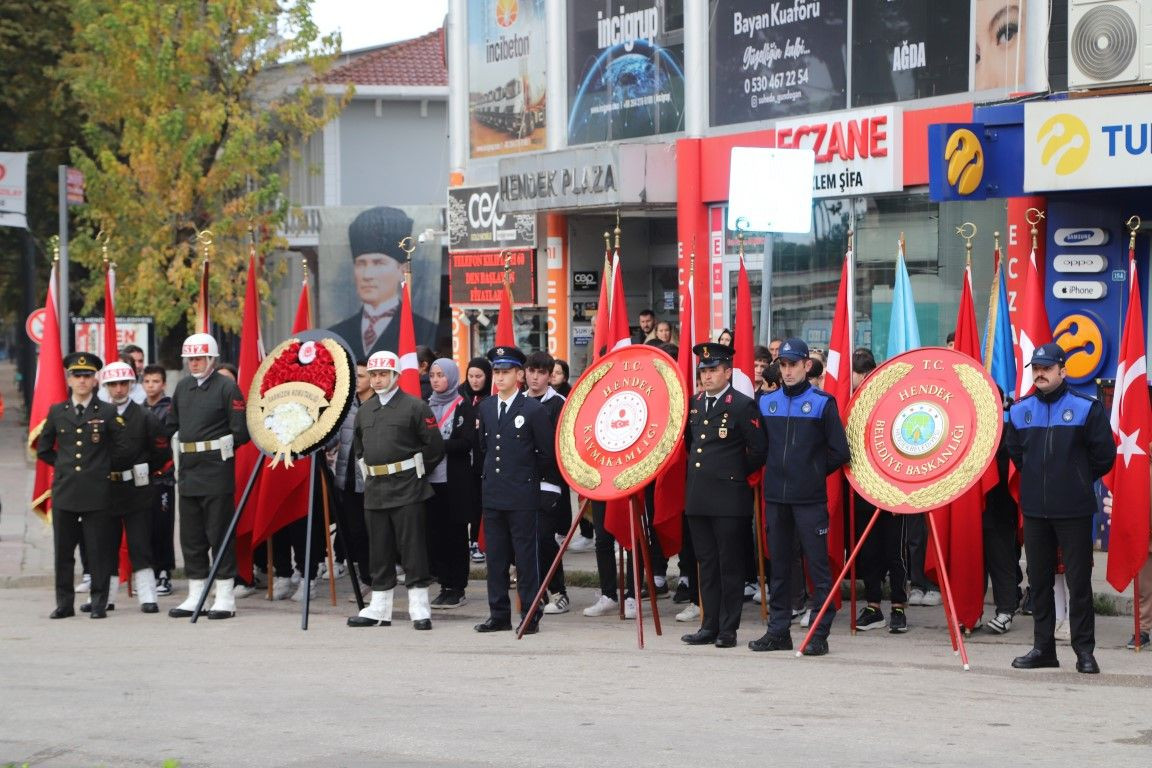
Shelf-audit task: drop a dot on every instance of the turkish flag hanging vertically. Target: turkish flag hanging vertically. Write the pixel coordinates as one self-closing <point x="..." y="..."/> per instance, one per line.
<point x="838" y="383"/>
<point x="111" y="344"/>
<point x="743" y="361"/>
<point x="1132" y="428"/>
<point x="1033" y="329"/>
<point x="50" y="388"/>
<point x="619" y="335"/>
<point x="247" y="455"/>
<point x="960" y="525"/>
<point x="669" y="496"/>
<point x="603" y="310"/>
<point x="409" y="365"/>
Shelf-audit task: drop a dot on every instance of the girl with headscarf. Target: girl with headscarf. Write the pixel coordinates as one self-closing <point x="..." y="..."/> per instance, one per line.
<point x="454" y="491"/>
<point x="476" y="386"/>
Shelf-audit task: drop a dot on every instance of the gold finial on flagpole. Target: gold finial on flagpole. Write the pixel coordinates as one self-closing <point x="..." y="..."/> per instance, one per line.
<point x="54" y="242"/>
<point x="968" y="231"/>
<point x="104" y="238"/>
<point x="1034" y="216"/>
<point x="506" y="257"/>
<point x="902" y="243"/>
<point x="1133" y="225"/>
<point x="617" y="230"/>
<point x="851" y="236"/>
<point x="741" y="224"/>
<point x="607" y="241"/>
<point x="996" y="239"/>
<point x="408" y="245"/>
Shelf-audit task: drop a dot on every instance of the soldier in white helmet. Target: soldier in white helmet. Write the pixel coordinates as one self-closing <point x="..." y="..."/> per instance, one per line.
<point x="396" y="443"/>
<point x="147" y="450"/>
<point x="208" y="415"/>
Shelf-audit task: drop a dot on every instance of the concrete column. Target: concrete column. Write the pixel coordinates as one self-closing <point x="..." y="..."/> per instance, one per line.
<point x="695" y="67"/>
<point x="556" y="111"/>
<point x="457" y="86"/>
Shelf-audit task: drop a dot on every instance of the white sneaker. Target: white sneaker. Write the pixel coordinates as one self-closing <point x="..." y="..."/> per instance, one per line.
<point x="756" y="597"/>
<point x="931" y="597"/>
<point x="916" y="597"/>
<point x="690" y="613"/>
<point x="582" y="544"/>
<point x="559" y="605"/>
<point x="242" y="591"/>
<point x="750" y="589"/>
<point x="85" y="584"/>
<point x="282" y="588"/>
<point x="337" y="566"/>
<point x="629" y="607"/>
<point x="1000" y="623"/>
<point x="605" y="606"/>
<point x="806" y="617"/>
<point x="299" y="596"/>
<point x="1063" y="631"/>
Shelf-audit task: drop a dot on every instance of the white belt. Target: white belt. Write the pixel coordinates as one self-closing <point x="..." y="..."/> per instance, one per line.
<point x="210" y="445"/>
<point x="551" y="487"/>
<point x="121" y="477"/>
<point x="416" y="462"/>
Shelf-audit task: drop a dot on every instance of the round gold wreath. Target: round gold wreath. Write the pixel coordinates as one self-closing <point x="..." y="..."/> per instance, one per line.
<point x="987" y="408"/>
<point x="642" y="471"/>
<point x="264" y="438"/>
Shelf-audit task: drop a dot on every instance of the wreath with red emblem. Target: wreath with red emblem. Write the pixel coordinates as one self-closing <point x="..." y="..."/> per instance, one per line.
<point x="299" y="397"/>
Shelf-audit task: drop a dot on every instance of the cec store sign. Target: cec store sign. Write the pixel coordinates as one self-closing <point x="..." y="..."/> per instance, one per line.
<point x="857" y="153"/>
<point x="1088" y="144"/>
<point x="476" y="223"/>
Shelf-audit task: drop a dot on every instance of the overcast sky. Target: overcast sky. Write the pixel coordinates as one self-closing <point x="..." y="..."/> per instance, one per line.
<point x="364" y="23"/>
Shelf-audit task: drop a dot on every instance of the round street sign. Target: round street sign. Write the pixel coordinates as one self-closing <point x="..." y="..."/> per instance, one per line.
<point x="622" y="423"/>
<point x="923" y="429"/>
<point x="34" y="325"/>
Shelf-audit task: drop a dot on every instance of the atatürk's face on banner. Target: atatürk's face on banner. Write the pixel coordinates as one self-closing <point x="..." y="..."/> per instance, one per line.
<point x="377" y="278"/>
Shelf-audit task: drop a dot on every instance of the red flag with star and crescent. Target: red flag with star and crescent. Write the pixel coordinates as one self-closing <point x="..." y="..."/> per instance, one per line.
<point x="1132" y="427"/>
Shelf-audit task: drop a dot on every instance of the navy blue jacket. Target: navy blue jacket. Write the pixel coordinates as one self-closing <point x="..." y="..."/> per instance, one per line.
<point x="516" y="454"/>
<point x="725" y="446"/>
<point x="1061" y="443"/>
<point x="806" y="443"/>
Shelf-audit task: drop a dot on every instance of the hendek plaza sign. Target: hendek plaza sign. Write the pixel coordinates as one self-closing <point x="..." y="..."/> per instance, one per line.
<point x="1088" y="144"/>
<point x="857" y="153"/>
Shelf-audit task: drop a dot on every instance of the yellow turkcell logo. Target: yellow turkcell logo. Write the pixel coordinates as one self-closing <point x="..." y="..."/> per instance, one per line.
<point x="965" y="158"/>
<point x="1065" y="143"/>
<point x="1083" y="342"/>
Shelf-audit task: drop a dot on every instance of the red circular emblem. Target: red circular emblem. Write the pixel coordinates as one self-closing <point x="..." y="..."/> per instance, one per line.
<point x="622" y="423"/>
<point x="923" y="428"/>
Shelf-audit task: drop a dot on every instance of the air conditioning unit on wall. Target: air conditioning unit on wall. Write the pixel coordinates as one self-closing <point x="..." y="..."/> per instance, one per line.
<point x="1109" y="42"/>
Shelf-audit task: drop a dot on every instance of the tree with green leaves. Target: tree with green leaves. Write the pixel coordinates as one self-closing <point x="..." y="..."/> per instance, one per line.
<point x="188" y="109"/>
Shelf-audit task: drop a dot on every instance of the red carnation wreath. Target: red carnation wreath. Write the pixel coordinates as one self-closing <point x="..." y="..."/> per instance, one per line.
<point x="288" y="367"/>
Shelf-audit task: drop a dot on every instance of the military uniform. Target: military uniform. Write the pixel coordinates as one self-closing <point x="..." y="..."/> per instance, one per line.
<point x="516" y="440"/>
<point x="725" y="445"/>
<point x="81" y="444"/>
<point x="147" y="450"/>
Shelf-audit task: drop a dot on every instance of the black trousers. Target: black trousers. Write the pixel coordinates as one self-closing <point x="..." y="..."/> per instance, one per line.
<point x="397" y="534"/>
<point x="554" y="520"/>
<point x="721" y="547"/>
<point x="916" y="531"/>
<point x="100" y="533"/>
<point x="138" y="531"/>
<point x="511" y="533"/>
<point x="808" y="522"/>
<point x="203" y="523"/>
<point x="354" y="534"/>
<point x="882" y="555"/>
<point x="659" y="560"/>
<point x="163" y="528"/>
<point x="447" y="541"/>
<point x="688" y="563"/>
<point x="1002" y="559"/>
<point x="606" y="557"/>
<point x="290" y="543"/>
<point x="1073" y="537"/>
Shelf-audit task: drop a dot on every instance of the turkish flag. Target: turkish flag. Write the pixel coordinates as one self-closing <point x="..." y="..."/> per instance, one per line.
<point x="960" y="525"/>
<point x="409" y="366"/>
<point x="744" y="360"/>
<point x="247" y="455"/>
<point x="838" y="383"/>
<point x="1033" y="329"/>
<point x="49" y="389"/>
<point x="1132" y="428"/>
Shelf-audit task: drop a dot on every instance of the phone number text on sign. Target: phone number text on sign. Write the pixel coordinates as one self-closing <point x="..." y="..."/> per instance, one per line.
<point x="762" y="84"/>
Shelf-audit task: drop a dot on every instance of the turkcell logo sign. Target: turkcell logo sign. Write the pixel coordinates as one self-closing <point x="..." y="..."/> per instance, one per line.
<point x="1082" y="145"/>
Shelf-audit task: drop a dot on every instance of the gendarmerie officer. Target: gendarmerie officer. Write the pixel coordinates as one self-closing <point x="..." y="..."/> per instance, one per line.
<point x="80" y="439"/>
<point x="806" y="443"/>
<point x="208" y="415"/>
<point x="1061" y="442"/>
<point x="725" y="445"/>
<point x="146" y="450"/>
<point x="396" y="443"/>
<point x="516" y="440"/>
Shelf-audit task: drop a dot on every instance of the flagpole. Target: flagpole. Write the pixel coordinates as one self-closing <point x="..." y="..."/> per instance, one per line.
<point x="1133" y="224"/>
<point x="850" y="295"/>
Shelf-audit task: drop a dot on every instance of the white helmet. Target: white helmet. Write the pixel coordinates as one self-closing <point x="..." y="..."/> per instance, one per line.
<point x="116" y="371"/>
<point x="200" y="345"/>
<point x="384" y="361"/>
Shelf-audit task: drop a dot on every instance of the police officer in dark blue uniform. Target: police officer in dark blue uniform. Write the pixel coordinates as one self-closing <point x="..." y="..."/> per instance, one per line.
<point x="806" y="443"/>
<point x="725" y="445"/>
<point x="516" y="442"/>
<point x="1061" y="442"/>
